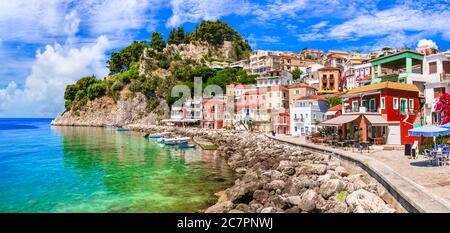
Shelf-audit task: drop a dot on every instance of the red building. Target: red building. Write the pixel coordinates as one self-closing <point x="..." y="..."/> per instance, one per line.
<point x="382" y="112"/>
<point x="334" y="111"/>
<point x="281" y="122"/>
<point x="213" y="113"/>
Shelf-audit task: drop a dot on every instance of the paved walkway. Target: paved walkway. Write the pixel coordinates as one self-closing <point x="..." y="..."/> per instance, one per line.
<point x="426" y="188"/>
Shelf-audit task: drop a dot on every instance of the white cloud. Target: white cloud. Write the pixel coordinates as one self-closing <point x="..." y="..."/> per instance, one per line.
<point x="32" y="20"/>
<point x="119" y="16"/>
<point x="294" y="9"/>
<point x="196" y="10"/>
<point x="426" y="43"/>
<point x="270" y="39"/>
<point x="46" y="21"/>
<point x="394" y="20"/>
<point x="54" y="68"/>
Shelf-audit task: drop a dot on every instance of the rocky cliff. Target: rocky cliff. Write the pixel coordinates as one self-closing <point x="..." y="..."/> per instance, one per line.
<point x="105" y="111"/>
<point x="201" y="53"/>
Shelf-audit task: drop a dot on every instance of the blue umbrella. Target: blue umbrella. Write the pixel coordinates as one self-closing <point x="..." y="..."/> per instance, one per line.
<point x="447" y="126"/>
<point x="428" y="131"/>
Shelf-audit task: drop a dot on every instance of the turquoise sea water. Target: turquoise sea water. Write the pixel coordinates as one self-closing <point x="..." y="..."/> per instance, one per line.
<point x="83" y="169"/>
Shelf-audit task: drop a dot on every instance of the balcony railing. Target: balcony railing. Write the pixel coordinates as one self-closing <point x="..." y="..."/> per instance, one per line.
<point x="362" y="110"/>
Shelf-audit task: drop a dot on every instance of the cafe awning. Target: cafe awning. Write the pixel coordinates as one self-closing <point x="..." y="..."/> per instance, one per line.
<point x="376" y="120"/>
<point x="340" y="120"/>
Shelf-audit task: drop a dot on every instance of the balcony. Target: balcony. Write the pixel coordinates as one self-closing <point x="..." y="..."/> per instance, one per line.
<point x="362" y="110"/>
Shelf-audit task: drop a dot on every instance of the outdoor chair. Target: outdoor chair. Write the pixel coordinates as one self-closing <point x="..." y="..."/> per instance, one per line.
<point x="445" y="155"/>
<point x="427" y="155"/>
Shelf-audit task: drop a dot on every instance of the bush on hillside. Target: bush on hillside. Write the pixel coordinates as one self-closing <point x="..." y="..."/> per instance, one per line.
<point x="96" y="90"/>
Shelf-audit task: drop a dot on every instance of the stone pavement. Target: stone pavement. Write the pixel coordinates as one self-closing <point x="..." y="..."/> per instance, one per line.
<point x="413" y="183"/>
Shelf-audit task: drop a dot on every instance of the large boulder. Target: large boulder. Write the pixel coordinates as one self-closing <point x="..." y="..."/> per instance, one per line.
<point x="261" y="195"/>
<point x="330" y="187"/>
<point x="341" y="171"/>
<point x="311" y="169"/>
<point x="308" y="200"/>
<point x="276" y="184"/>
<point x="362" y="201"/>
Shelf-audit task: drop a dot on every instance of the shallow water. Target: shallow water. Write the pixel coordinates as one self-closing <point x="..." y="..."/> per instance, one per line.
<point x="83" y="169"/>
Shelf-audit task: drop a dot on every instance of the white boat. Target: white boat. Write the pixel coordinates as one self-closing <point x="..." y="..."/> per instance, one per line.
<point x="155" y="135"/>
<point x="175" y="141"/>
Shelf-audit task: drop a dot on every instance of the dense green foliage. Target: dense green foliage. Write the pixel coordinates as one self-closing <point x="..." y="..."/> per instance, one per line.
<point x="121" y="60"/>
<point x="296" y="74"/>
<point x="216" y="32"/>
<point x="334" y="100"/>
<point x="157" y="43"/>
<point x="96" y="90"/>
<point x="177" y="36"/>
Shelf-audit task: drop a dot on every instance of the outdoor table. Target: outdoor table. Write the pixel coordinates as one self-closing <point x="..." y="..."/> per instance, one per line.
<point x="341" y="143"/>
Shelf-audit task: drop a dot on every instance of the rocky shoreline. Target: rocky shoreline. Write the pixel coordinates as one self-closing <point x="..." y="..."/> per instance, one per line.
<point x="275" y="177"/>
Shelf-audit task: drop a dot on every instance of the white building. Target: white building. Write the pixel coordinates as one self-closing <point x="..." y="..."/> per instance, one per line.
<point x="305" y="114"/>
<point x="188" y="112"/>
<point x="436" y="69"/>
<point x="274" y="78"/>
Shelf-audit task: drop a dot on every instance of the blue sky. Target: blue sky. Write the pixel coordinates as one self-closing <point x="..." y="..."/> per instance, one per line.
<point x="47" y="44"/>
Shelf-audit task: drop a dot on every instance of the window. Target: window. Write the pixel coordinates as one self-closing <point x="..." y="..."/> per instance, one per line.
<point x="372" y="106"/>
<point x="411" y="104"/>
<point x="364" y="103"/>
<point x="355" y="106"/>
<point x="395" y="103"/>
<point x="383" y="103"/>
<point x="295" y="117"/>
<point x="297" y="92"/>
<point x="433" y="67"/>
<point x="295" y="128"/>
<point x="403" y="106"/>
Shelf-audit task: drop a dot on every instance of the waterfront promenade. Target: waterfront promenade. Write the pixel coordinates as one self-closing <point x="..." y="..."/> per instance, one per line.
<point x="421" y="187"/>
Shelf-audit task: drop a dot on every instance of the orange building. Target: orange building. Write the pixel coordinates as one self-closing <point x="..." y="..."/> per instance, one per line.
<point x="329" y="80"/>
<point x="301" y="90"/>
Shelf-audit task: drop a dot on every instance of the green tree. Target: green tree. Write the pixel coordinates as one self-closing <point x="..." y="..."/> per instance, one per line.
<point x="245" y="78"/>
<point x="296" y="74"/>
<point x="122" y="60"/>
<point x="216" y="32"/>
<point x="176" y="36"/>
<point x="135" y="86"/>
<point x="157" y="42"/>
<point x="334" y="100"/>
<point x="96" y="90"/>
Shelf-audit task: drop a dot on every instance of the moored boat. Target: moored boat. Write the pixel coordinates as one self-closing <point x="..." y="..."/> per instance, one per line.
<point x="122" y="129"/>
<point x="175" y="141"/>
<point x="155" y="135"/>
<point x="186" y="145"/>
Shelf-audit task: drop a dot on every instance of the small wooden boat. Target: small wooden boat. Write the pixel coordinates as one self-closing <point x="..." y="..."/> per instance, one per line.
<point x="122" y="129"/>
<point x="186" y="145"/>
<point x="176" y="141"/>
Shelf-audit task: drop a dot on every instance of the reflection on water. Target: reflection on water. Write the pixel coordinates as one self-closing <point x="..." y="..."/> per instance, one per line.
<point x="101" y="170"/>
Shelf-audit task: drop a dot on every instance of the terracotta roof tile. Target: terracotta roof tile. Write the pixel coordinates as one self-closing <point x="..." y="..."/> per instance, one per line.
<point x="336" y="108"/>
<point x="312" y="97"/>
